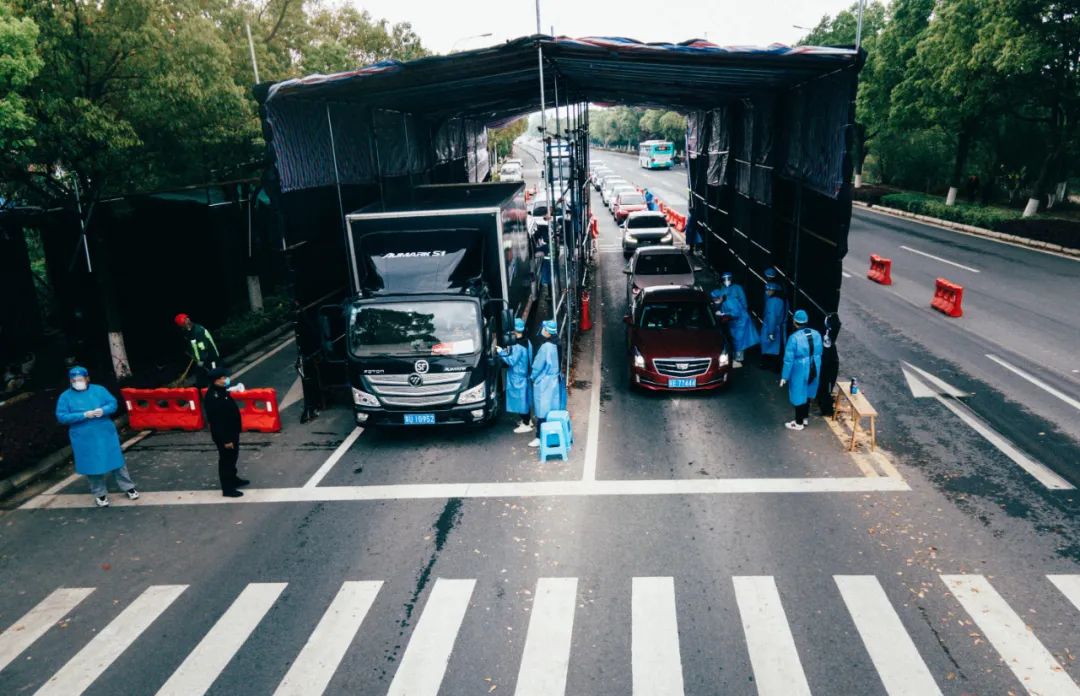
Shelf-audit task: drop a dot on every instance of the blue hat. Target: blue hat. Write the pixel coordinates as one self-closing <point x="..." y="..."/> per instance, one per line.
<point x="716" y="294"/>
<point x="775" y="287"/>
<point x="77" y="371"/>
<point x="726" y="274"/>
<point x="801" y="317"/>
<point x="550" y="326"/>
<point x="519" y="325"/>
<point x="770" y="273"/>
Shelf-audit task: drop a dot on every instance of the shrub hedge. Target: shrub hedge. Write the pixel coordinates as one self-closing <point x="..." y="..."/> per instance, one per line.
<point x="934" y="206"/>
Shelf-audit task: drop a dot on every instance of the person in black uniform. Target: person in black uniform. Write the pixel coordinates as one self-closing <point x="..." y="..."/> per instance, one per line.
<point x="309" y="350"/>
<point x="830" y="363"/>
<point x="223" y="415"/>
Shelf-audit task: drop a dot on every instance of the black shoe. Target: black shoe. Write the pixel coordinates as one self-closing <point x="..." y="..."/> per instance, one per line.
<point x="232" y="494"/>
<point x="304" y="417"/>
<point x="240" y="483"/>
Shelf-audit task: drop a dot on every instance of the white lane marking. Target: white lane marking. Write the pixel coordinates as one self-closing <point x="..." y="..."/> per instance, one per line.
<point x="656" y="663"/>
<point x="845" y="274"/>
<point x="1042" y="473"/>
<point x="777" y="669"/>
<point x="424" y="662"/>
<point x="517" y="489"/>
<point x="1069" y="586"/>
<point x="295" y="394"/>
<point x="203" y="665"/>
<point x="333" y="459"/>
<point x="319" y="658"/>
<point x="592" y="437"/>
<point x="1037" y="382"/>
<point x="938" y="258"/>
<point x="891" y="649"/>
<point x="1033" y="665"/>
<point x="546" y="659"/>
<point x="34" y="623"/>
<point x="264" y="356"/>
<point x="124" y="447"/>
<point x="88" y="664"/>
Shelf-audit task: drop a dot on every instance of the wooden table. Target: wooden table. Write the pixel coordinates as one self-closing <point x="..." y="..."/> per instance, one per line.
<point x="858" y="407"/>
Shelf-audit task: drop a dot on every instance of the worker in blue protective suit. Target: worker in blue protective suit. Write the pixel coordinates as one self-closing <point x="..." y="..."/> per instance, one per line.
<point x="87" y="409"/>
<point x="773" y="327"/>
<point x="733" y="308"/>
<point x="546" y="388"/>
<point x="650" y="200"/>
<point x="732" y="289"/>
<point x="518" y="357"/>
<point x="802" y="369"/>
<point x="692" y="230"/>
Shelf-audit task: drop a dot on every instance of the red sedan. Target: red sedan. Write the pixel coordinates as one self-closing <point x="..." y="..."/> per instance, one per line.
<point x="626" y="203"/>
<point x="674" y="342"/>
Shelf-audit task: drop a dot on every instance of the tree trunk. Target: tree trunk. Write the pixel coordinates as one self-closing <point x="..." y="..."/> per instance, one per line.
<point x="1040" y="191"/>
<point x="963" y="145"/>
<point x="860" y="152"/>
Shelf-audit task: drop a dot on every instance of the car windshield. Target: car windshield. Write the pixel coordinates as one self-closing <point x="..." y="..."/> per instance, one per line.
<point x="414" y="328"/>
<point x="631" y="199"/>
<point x="640" y="222"/>
<point x="612" y="184"/>
<point x="662" y="264"/>
<point x="511" y="169"/>
<point x="676" y="315"/>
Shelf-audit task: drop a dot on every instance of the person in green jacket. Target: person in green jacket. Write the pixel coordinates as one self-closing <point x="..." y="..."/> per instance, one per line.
<point x="201" y="348"/>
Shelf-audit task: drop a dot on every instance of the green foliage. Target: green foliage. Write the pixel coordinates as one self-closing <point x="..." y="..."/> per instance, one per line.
<point x="244" y="328"/>
<point x="627" y="126"/>
<point x="501" y="140"/>
<point x="345" y="37"/>
<point x="987" y="217"/>
<point x="19" y="64"/>
<point x="841" y="29"/>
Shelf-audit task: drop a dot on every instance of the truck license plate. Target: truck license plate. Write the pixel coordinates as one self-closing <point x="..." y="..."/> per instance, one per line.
<point x="419" y="419"/>
<point x="682" y="382"/>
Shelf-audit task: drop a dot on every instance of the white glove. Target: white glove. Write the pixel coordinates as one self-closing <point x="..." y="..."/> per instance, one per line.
<point x="89" y="414"/>
<point x="237" y="387"/>
<point x="772" y="337"/>
<point x="783" y="382"/>
<point x="98" y="412"/>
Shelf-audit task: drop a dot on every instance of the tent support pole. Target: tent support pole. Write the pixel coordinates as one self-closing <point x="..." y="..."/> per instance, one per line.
<point x="337" y="186"/>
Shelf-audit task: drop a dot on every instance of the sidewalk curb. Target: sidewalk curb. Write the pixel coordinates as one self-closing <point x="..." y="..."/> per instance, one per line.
<point x="50" y="462"/>
<point x="971" y="229"/>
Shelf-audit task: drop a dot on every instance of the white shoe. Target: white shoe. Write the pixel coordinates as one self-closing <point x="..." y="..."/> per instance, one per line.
<point x="132" y="494"/>
<point x="522" y="428"/>
<point x="535" y="442"/>
<point x="103" y="501"/>
<point x="736" y="363"/>
<point x="794" y="425"/>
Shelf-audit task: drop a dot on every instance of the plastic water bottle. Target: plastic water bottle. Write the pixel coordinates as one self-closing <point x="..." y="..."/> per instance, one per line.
<point x="854" y="385"/>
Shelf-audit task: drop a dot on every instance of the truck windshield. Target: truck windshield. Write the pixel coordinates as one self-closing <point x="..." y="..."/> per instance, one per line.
<point x="415" y="328"/>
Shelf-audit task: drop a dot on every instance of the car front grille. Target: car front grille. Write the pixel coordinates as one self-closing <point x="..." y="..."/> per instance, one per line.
<point x="682" y="367"/>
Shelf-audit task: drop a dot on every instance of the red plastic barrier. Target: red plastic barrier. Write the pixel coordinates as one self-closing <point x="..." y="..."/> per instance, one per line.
<point x="948" y="297"/>
<point x="594" y="226"/>
<point x="258" y="410"/>
<point x="586" y="318"/>
<point x="880" y="270"/>
<point x="680" y="222"/>
<point x="164" y="409"/>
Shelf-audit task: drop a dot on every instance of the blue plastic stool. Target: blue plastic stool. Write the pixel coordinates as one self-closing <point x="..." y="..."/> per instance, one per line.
<point x="553" y="431"/>
<point x="564" y="418"/>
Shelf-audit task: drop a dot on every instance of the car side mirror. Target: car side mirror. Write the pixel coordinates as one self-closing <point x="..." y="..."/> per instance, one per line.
<point x="628" y="320"/>
<point x="626" y="270"/>
<point x="698" y="268"/>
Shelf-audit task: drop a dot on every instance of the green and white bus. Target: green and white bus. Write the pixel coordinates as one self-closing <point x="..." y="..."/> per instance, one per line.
<point x="656" y="154"/>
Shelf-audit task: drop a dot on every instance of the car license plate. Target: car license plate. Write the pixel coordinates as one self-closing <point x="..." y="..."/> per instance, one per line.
<point x="682" y="382"/>
<point x="419" y="419"/>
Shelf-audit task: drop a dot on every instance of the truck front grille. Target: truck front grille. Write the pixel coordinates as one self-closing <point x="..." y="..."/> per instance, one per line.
<point x="418" y="401"/>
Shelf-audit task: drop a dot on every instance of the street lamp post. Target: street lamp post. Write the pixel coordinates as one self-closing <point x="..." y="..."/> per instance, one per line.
<point x="468" y="38"/>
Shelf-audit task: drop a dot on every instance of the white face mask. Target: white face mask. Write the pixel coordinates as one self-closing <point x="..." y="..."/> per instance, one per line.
<point x="79" y="384"/>
<point x="727" y="282"/>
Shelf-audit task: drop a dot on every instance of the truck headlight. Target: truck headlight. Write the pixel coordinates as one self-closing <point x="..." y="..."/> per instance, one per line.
<point x="362" y="398"/>
<point x="473" y="394"/>
<point x="639" y="359"/>
<point x="666" y="238"/>
<point x="723" y="359"/>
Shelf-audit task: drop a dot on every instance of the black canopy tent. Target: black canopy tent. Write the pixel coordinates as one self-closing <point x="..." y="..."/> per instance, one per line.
<point x="767" y="142"/>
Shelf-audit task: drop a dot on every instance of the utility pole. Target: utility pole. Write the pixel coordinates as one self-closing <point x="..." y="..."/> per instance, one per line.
<point x="254" y="285"/>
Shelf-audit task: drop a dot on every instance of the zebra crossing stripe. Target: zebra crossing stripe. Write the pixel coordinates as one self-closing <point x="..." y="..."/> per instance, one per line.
<point x="891" y="649"/>
<point x="89" y="663"/>
<point x="777" y="669"/>
<point x="22" y="634"/>
<point x="1033" y="665"/>
<point x="199" y="670"/>
<point x="1069" y="586"/>
<point x="424" y="662"/>
<point x="546" y="659"/>
<point x="655" y="661"/>
<point x="327" y="644"/>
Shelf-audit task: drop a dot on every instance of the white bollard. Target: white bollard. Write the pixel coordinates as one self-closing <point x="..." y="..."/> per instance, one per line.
<point x="1031" y="208"/>
<point x="950" y="198"/>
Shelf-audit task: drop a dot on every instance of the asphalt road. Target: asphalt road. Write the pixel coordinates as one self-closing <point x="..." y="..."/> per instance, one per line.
<point x="690" y="545"/>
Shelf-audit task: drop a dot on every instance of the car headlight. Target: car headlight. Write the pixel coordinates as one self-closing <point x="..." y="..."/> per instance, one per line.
<point x="666" y="238"/>
<point x="630" y="237"/>
<point x="723" y="359"/>
<point x="639" y="359"/>
<point x="362" y="398"/>
<point x="473" y="394"/>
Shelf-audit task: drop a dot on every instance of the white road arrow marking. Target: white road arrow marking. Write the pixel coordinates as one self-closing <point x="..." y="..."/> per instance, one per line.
<point x="924" y="385"/>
